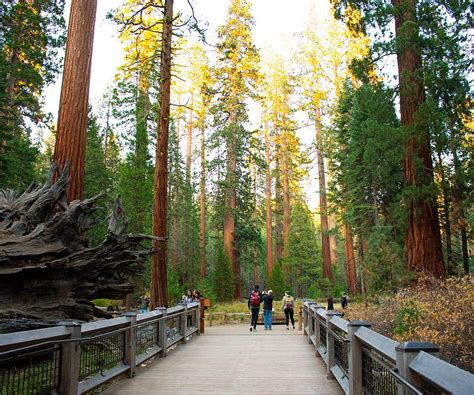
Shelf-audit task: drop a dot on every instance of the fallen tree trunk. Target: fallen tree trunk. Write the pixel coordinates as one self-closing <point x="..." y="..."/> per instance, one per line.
<point x="48" y="272"/>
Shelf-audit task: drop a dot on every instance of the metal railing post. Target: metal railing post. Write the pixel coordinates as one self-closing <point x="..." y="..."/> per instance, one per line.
<point x="162" y="338"/>
<point x="355" y="357"/>
<point x="330" y="342"/>
<point x="305" y="319"/>
<point x="317" y="330"/>
<point x="311" y="317"/>
<point x="300" y="318"/>
<point x="197" y="315"/>
<point x="406" y="352"/>
<point x="131" y="343"/>
<point x="184" y="324"/>
<point x="70" y="360"/>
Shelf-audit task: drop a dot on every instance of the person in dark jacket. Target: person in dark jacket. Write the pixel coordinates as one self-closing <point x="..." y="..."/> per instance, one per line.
<point x="267" y="309"/>
<point x="344" y="300"/>
<point x="255" y="298"/>
<point x="330" y="302"/>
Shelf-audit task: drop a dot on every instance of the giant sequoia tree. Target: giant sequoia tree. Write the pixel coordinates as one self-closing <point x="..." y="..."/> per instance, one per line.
<point x="159" y="283"/>
<point x="237" y="62"/>
<point x="414" y="39"/>
<point x="73" y="105"/>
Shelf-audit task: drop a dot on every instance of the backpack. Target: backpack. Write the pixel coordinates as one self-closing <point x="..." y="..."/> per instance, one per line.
<point x="255" y="299"/>
<point x="289" y="303"/>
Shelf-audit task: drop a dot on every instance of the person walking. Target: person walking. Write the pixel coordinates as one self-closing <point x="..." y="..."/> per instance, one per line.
<point x="288" y="305"/>
<point x="255" y="298"/>
<point x="344" y="301"/>
<point x="267" y="309"/>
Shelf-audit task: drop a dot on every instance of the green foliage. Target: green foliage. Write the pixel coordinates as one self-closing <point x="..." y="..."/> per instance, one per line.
<point x="304" y="261"/>
<point x="205" y="287"/>
<point x="277" y="282"/>
<point x="96" y="178"/>
<point x="223" y="278"/>
<point x="368" y="182"/>
<point x="175" y="289"/>
<point x="28" y="62"/>
<point x="183" y="217"/>
<point x="385" y="261"/>
<point x="407" y="317"/>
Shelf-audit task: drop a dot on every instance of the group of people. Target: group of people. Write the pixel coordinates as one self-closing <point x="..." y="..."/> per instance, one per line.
<point x="344" y="301"/>
<point x="191" y="296"/>
<point x="256" y="297"/>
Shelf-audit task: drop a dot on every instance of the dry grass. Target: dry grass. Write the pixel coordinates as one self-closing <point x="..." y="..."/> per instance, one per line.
<point x="439" y="311"/>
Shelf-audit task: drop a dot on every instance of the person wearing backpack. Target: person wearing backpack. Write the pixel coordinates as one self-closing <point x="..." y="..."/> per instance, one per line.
<point x="287" y="305"/>
<point x="255" y="298"/>
<point x="267" y="310"/>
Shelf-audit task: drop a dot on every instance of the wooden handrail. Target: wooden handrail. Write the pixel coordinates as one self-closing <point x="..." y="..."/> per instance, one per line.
<point x="15" y="347"/>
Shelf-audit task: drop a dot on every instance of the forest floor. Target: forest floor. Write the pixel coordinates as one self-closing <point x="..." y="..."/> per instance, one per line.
<point x="439" y="311"/>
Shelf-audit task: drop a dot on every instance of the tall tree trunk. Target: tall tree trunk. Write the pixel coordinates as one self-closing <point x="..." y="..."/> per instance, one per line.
<point x="350" y="260"/>
<point x="327" y="268"/>
<point x="159" y="278"/>
<point x="254" y="218"/>
<point x="363" y="269"/>
<point x="332" y="238"/>
<point x="268" y="205"/>
<point x="464" y="249"/>
<point x="458" y="187"/>
<point x="230" y="206"/>
<point x="173" y="193"/>
<point x="286" y="194"/>
<point x="423" y="239"/>
<point x="278" y="211"/>
<point x="72" y="121"/>
<point x="189" y="143"/>
<point x="202" y="207"/>
<point x="447" y="220"/>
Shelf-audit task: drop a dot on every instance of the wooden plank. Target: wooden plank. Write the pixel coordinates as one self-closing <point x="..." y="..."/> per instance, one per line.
<point x="228" y="359"/>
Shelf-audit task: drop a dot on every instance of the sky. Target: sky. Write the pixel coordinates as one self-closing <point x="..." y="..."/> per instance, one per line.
<point x="276" y="23"/>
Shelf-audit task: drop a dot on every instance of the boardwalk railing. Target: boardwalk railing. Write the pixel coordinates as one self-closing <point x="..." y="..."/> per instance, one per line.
<point x="366" y="362"/>
<point x="74" y="359"/>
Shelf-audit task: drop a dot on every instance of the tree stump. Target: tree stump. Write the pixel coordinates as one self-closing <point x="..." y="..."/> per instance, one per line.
<point x="48" y="271"/>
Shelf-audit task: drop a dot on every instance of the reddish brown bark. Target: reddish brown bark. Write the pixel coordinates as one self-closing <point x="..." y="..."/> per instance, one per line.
<point x="189" y="142"/>
<point x="423" y="239"/>
<point x="363" y="268"/>
<point x="332" y="238"/>
<point x="230" y="196"/>
<point x="286" y="195"/>
<point x="278" y="212"/>
<point x="350" y="260"/>
<point x="254" y="218"/>
<point x="268" y="206"/>
<point x="326" y="248"/>
<point x="202" y="208"/>
<point x="72" y="121"/>
<point x="159" y="285"/>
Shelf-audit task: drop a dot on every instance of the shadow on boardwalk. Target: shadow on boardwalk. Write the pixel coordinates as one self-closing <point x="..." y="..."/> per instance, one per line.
<point x="231" y="360"/>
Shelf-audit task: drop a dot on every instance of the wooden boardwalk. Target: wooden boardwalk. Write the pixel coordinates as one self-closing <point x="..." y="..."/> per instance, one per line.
<point x="231" y="360"/>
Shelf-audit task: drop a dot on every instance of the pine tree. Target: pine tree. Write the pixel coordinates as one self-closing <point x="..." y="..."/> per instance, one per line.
<point x="30" y="36"/>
